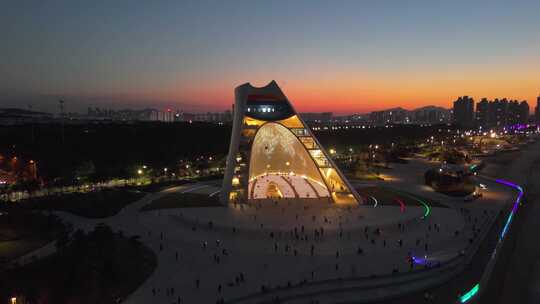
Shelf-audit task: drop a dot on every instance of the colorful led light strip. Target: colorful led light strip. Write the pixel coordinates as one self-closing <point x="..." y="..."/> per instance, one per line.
<point x="401" y="205"/>
<point x="427" y="208"/>
<point x="514" y="208"/>
<point x="375" y="200"/>
<point x="467" y="296"/>
<point x="476" y="288"/>
<point x="419" y="260"/>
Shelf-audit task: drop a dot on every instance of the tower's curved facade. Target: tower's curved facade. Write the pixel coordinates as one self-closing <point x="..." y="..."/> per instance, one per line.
<point x="273" y="154"/>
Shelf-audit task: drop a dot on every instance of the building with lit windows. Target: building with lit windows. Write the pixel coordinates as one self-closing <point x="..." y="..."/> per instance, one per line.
<point x="501" y="112"/>
<point x="537" y="109"/>
<point x="464" y="111"/>
<point x="274" y="155"/>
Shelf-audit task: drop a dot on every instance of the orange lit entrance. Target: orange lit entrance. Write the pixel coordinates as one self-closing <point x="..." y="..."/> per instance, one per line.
<point x="272" y="191"/>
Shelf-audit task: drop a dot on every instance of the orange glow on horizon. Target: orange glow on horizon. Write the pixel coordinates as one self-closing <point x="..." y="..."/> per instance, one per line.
<point x="347" y="93"/>
<point x="350" y="93"/>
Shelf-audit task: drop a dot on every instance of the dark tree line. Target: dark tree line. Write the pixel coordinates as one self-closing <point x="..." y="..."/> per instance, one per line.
<point x="103" y="151"/>
<point x="94" y="152"/>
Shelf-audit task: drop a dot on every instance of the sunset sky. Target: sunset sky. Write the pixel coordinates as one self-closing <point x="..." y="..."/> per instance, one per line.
<point x="340" y="56"/>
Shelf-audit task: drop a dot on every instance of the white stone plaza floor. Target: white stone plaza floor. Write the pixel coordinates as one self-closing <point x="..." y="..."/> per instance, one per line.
<point x="233" y="251"/>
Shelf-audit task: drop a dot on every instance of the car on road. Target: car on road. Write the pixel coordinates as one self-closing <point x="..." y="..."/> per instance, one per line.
<point x="473" y="196"/>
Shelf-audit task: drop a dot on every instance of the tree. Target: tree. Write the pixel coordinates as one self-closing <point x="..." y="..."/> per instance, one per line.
<point x="85" y="171"/>
<point x="360" y="168"/>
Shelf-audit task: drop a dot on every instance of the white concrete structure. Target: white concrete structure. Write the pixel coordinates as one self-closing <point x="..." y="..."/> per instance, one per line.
<point x="273" y="154"/>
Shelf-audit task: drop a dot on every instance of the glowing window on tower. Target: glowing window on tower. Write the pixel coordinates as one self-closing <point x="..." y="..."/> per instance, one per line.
<point x="308" y="142"/>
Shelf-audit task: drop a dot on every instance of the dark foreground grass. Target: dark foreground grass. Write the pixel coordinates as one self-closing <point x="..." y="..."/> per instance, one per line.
<point x="183" y="200"/>
<point x="97" y="204"/>
<point x="22" y="231"/>
<point x="99" y="267"/>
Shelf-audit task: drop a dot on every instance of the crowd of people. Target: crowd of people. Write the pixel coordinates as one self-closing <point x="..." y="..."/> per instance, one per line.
<point x="314" y="235"/>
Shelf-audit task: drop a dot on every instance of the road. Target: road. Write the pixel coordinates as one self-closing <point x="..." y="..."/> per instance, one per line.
<point x="519" y="272"/>
<point x="516" y="277"/>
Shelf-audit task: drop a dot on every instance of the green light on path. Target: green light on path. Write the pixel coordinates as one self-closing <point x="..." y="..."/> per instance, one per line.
<point x="426" y="206"/>
<point x="466" y="297"/>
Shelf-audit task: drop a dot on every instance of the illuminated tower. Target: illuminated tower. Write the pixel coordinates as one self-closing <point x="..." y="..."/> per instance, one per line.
<point x="273" y="154"/>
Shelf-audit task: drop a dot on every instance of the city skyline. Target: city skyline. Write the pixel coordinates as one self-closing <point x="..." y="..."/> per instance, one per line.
<point x="347" y="58"/>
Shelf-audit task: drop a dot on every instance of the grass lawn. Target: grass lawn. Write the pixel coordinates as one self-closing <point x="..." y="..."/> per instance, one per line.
<point x="98" y="267"/>
<point x="22" y="231"/>
<point x="97" y="204"/>
<point x="363" y="176"/>
<point x="183" y="200"/>
<point x="10" y="250"/>
<point x="157" y="187"/>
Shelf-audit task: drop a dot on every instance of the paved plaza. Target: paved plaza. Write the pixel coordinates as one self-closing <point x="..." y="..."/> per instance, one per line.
<point x="212" y="253"/>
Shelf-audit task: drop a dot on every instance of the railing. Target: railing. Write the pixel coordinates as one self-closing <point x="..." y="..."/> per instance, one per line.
<point x="475" y="293"/>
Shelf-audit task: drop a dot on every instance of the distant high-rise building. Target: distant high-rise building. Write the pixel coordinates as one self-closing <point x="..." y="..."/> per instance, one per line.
<point x="430" y="115"/>
<point x="501" y="112"/>
<point x="513" y="113"/>
<point x="537" y="110"/>
<point x="497" y="112"/>
<point x="464" y="111"/>
<point x="390" y="116"/>
<point x="317" y="117"/>
<point x="523" y="113"/>
<point x="482" y="109"/>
